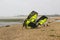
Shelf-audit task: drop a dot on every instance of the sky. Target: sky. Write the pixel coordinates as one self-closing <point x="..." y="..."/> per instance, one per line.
<point x="24" y="7"/>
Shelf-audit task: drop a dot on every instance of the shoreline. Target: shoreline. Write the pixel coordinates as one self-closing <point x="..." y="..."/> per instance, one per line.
<point x="15" y="32"/>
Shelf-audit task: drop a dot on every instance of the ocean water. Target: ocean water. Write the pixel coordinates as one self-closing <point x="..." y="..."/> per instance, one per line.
<point x="57" y="21"/>
<point x="9" y="23"/>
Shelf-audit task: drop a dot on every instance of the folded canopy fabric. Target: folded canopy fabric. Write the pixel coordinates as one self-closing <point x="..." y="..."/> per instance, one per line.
<point x="32" y="17"/>
<point x="32" y="21"/>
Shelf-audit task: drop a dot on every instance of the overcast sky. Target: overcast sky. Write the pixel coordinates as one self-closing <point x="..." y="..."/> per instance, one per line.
<point x="23" y="7"/>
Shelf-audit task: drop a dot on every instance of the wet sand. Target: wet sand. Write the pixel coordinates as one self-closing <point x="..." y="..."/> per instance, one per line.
<point x="15" y="32"/>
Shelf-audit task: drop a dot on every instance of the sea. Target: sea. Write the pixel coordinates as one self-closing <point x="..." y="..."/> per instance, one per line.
<point x="11" y="23"/>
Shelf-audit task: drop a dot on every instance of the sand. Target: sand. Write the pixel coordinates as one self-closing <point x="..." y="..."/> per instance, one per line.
<point x="15" y="32"/>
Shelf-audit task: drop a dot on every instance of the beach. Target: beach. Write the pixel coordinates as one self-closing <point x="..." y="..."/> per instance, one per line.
<point x="15" y="32"/>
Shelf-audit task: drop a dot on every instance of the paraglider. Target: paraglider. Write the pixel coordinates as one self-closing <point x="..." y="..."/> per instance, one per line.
<point x="42" y="20"/>
<point x="32" y="22"/>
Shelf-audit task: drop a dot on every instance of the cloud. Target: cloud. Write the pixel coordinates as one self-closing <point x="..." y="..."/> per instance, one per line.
<point x="24" y="7"/>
